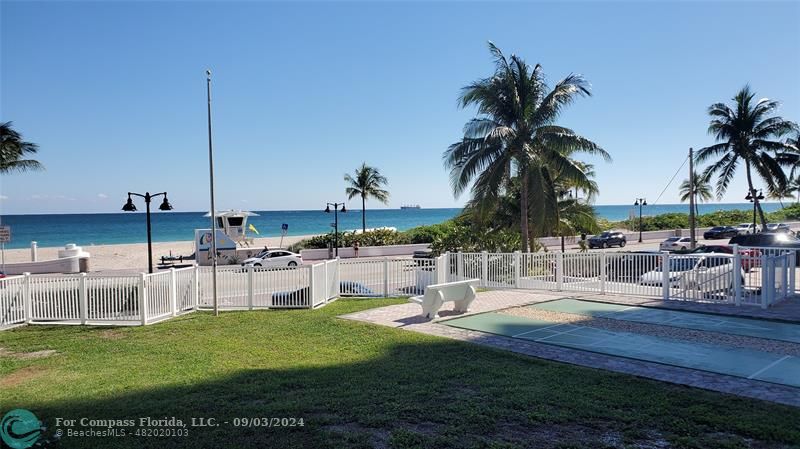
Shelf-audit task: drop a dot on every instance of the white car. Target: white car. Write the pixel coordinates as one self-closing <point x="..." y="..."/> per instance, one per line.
<point x="273" y="258"/>
<point x="709" y="273"/>
<point x="675" y="244"/>
<point x="748" y="228"/>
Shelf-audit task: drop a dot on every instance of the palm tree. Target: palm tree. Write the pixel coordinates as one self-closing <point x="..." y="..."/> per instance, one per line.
<point x="515" y="137"/>
<point x="366" y="182"/>
<point x="746" y="134"/>
<point x="703" y="191"/>
<point x="13" y="150"/>
<point x="780" y="194"/>
<point x="574" y="217"/>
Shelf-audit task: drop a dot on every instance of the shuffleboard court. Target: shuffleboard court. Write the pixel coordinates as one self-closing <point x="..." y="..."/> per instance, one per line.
<point x="750" y="327"/>
<point x="740" y="362"/>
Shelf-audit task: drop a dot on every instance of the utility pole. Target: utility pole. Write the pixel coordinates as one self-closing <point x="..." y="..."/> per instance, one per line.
<point x="691" y="199"/>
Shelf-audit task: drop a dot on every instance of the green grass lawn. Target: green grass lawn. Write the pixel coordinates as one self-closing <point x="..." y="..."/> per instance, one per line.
<point x="358" y="385"/>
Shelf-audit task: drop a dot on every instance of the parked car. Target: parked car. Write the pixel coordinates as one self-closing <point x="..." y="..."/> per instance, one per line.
<point x="273" y="258"/>
<point x="629" y="267"/>
<point x="779" y="227"/>
<point x="769" y="240"/>
<point x="720" y="232"/>
<point x="608" y="239"/>
<point x="747" y="228"/>
<point x="749" y="257"/>
<point x="698" y="270"/>
<point x="676" y="244"/>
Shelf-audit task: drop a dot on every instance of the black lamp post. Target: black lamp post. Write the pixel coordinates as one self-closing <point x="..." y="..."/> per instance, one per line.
<point x="130" y="207"/>
<point x="640" y="202"/>
<point x="753" y="198"/>
<point x="335" y="222"/>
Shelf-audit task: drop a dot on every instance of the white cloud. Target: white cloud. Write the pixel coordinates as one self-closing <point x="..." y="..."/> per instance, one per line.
<point x="102" y="196"/>
<point x="3" y="197"/>
<point x="37" y="196"/>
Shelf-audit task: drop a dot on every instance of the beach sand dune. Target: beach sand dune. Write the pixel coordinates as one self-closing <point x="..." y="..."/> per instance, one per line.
<point x="133" y="256"/>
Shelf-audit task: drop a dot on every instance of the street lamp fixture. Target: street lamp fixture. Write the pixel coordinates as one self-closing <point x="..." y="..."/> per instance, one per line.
<point x="640" y="202"/>
<point x="130" y="207"/>
<point x="754" y="198"/>
<point x="335" y="222"/>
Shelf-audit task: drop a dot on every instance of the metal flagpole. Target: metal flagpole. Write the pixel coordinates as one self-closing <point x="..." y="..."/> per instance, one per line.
<point x="213" y="208"/>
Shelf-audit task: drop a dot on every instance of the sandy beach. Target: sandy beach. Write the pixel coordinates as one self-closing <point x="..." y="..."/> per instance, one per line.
<point x="133" y="256"/>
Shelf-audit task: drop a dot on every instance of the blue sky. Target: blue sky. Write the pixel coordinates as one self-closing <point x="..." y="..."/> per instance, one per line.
<point x="114" y="93"/>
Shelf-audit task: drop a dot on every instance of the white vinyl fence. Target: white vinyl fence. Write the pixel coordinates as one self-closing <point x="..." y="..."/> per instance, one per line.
<point x="95" y="299"/>
<point x="766" y="275"/>
<point x="749" y="276"/>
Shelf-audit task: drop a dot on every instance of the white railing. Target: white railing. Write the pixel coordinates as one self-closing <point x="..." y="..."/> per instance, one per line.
<point x="765" y="276"/>
<point x="686" y="277"/>
<point x="387" y="276"/>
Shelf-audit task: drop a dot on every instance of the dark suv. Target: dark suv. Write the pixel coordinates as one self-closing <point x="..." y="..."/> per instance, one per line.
<point x="607" y="239"/>
<point x="720" y="232"/>
<point x="770" y="240"/>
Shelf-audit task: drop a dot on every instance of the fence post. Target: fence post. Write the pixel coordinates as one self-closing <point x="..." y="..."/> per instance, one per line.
<point x="737" y="275"/>
<point x="26" y="298"/>
<point x="559" y="271"/>
<point x="173" y="291"/>
<point x="665" y="275"/>
<point x="311" y="286"/>
<point x="337" y="279"/>
<point x="785" y="265"/>
<point x="196" y="282"/>
<point x="143" y="297"/>
<point x="792" y="276"/>
<point x="385" y="277"/>
<point x="250" y="291"/>
<point x="460" y="266"/>
<point x="440" y="268"/>
<point x="766" y="280"/>
<point x="517" y="257"/>
<point x="446" y="265"/>
<point x="603" y="273"/>
<point x="82" y="295"/>
<point x="485" y="268"/>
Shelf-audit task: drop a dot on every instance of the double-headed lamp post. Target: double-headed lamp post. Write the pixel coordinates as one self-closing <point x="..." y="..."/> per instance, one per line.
<point x="130" y="207"/>
<point x="640" y="202"/>
<point x="754" y="198"/>
<point x="335" y="222"/>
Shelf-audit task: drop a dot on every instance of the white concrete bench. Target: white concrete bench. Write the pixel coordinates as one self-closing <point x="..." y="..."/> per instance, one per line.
<point x="462" y="293"/>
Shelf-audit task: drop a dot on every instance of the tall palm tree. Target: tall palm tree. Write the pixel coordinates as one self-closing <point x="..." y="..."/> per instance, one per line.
<point x="366" y="182"/>
<point x="515" y="136"/>
<point x="13" y="151"/>
<point x="747" y="133"/>
<point x="703" y="191"/>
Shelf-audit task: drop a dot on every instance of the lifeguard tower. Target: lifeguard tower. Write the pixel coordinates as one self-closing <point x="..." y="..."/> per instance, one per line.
<point x="233" y="245"/>
<point x="234" y="224"/>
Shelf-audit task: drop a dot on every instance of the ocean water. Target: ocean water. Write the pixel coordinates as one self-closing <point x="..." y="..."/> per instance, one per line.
<point x="97" y="229"/>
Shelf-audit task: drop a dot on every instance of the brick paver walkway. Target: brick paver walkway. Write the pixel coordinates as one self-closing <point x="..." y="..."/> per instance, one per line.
<point x="407" y="316"/>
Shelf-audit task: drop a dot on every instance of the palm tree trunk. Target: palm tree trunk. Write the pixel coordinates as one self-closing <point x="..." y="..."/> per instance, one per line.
<point x="363" y="214"/>
<point x="523" y="210"/>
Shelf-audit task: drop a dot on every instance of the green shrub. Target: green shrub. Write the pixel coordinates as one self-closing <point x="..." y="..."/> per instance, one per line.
<point x="788" y="213"/>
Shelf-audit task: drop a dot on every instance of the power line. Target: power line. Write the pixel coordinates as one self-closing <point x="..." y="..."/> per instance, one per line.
<point x="670" y="181"/>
